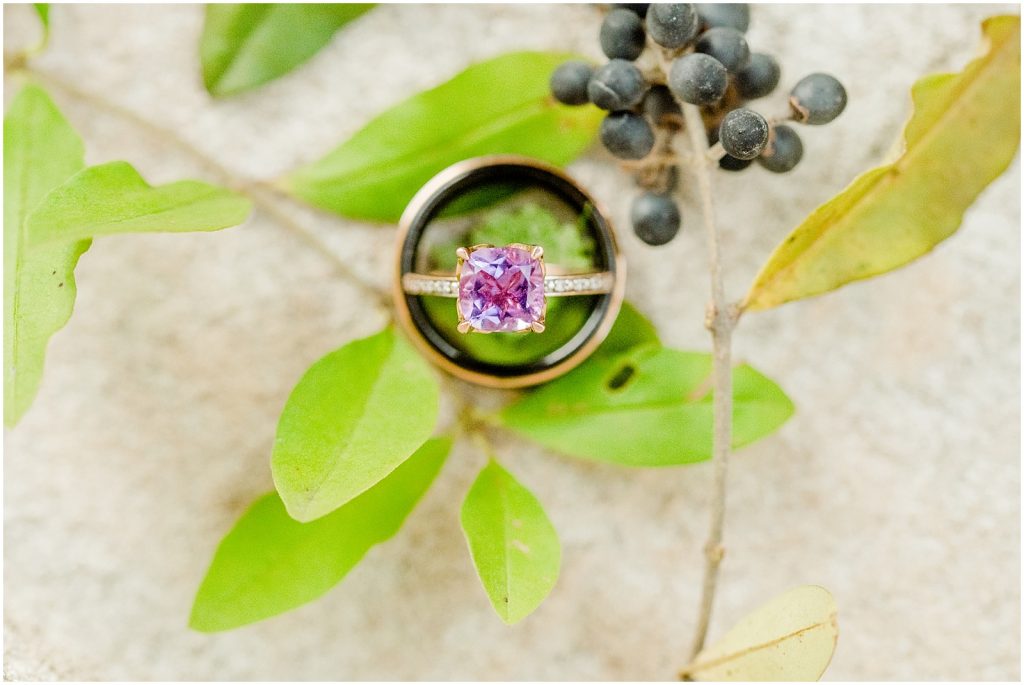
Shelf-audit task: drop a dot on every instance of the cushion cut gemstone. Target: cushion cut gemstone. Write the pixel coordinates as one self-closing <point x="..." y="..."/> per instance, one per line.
<point x="501" y="289"/>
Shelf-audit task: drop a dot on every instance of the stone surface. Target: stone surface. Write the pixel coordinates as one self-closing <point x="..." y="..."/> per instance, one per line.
<point x="896" y="484"/>
<point x="501" y="289"/>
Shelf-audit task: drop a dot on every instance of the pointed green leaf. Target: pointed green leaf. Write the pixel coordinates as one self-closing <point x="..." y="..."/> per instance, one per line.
<point x="514" y="546"/>
<point x="963" y="134"/>
<point x="246" y="45"/>
<point x="791" y="638"/>
<point x="354" y="416"/>
<point x="648" y="406"/>
<point x="41" y="151"/>
<point x="499" y="106"/>
<point x="270" y="563"/>
<point x="43" y="10"/>
<point x="113" y="198"/>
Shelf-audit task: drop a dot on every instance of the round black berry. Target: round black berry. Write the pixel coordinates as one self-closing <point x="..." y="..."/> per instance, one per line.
<point x="627" y="135"/>
<point x="622" y="35"/>
<point x="817" y="99"/>
<point x="743" y="133"/>
<point x="660" y="105"/>
<point x="617" y="85"/>
<point x="758" y="77"/>
<point x="569" y="82"/>
<point x="655" y="218"/>
<point x="725" y="44"/>
<point x="639" y="8"/>
<point x="730" y="163"/>
<point x="672" y="25"/>
<point x="734" y="15"/>
<point x="698" y="79"/>
<point x="783" y="151"/>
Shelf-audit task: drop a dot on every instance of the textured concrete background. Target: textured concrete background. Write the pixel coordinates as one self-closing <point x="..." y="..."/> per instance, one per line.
<point x="896" y="485"/>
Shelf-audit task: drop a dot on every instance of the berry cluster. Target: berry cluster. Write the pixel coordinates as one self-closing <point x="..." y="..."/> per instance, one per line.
<point x="698" y="55"/>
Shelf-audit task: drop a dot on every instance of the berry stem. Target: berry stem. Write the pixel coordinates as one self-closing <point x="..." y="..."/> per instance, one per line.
<point x="721" y="320"/>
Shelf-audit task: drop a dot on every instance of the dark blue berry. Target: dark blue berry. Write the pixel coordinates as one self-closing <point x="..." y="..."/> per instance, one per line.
<point x="655" y="218"/>
<point x="622" y="35"/>
<point x="783" y="151"/>
<point x="730" y="163"/>
<point x="569" y="82"/>
<point x="627" y="135"/>
<point x="617" y="85"/>
<point x="817" y="99"/>
<point x="698" y="79"/>
<point x="758" y="77"/>
<point x="661" y="107"/>
<point x="725" y="44"/>
<point x="734" y="14"/>
<point x="743" y="133"/>
<point x="672" y="25"/>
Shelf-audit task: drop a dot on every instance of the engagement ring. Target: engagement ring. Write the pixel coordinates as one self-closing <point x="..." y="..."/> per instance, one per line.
<point x="504" y="289"/>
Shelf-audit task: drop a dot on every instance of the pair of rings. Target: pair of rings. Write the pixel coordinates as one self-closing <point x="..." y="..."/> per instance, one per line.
<point x="505" y="290"/>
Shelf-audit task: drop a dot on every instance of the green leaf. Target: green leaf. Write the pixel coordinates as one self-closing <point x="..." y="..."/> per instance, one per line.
<point x="513" y="544"/>
<point x="631" y="329"/>
<point x="43" y="10"/>
<point x="791" y="638"/>
<point x="647" y="406"/>
<point x="41" y="151"/>
<point x="112" y="198"/>
<point x="963" y="134"/>
<point x="355" y="415"/>
<point x="246" y="45"/>
<point x="499" y="106"/>
<point x="270" y="563"/>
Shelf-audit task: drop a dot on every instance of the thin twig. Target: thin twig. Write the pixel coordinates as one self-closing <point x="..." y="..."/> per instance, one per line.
<point x="261" y="198"/>
<point x="721" y="318"/>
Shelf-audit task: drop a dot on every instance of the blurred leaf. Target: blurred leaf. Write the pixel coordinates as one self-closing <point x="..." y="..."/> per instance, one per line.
<point x="270" y="563"/>
<point x="43" y="10"/>
<point x="791" y="638"/>
<point x="246" y="45"/>
<point x="498" y="106"/>
<point x="354" y="416"/>
<point x="41" y="151"/>
<point x="631" y="329"/>
<point x="513" y="544"/>
<point x="963" y="134"/>
<point x="647" y="406"/>
<point x="112" y="198"/>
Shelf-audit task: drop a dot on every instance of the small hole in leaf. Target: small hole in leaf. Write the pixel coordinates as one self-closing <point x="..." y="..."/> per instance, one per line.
<point x="621" y="377"/>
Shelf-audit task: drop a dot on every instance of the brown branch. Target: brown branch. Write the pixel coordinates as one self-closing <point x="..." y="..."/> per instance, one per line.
<point x="721" y="318"/>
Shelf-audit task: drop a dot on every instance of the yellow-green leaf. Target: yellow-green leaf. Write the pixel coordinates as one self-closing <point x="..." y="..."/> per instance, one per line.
<point x="113" y="198"/>
<point x="963" y="134"/>
<point x="514" y="546"/>
<point x="270" y="563"/>
<point x="791" y="638"/>
<point x="502" y="105"/>
<point x="353" y="418"/>
<point x="644" y="406"/>
<point x="41" y="151"/>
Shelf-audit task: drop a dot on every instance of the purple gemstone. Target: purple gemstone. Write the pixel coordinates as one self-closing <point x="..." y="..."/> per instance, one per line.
<point x="501" y="289"/>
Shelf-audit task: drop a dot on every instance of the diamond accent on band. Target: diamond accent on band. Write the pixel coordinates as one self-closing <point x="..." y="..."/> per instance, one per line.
<point x="447" y="286"/>
<point x="442" y="286"/>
